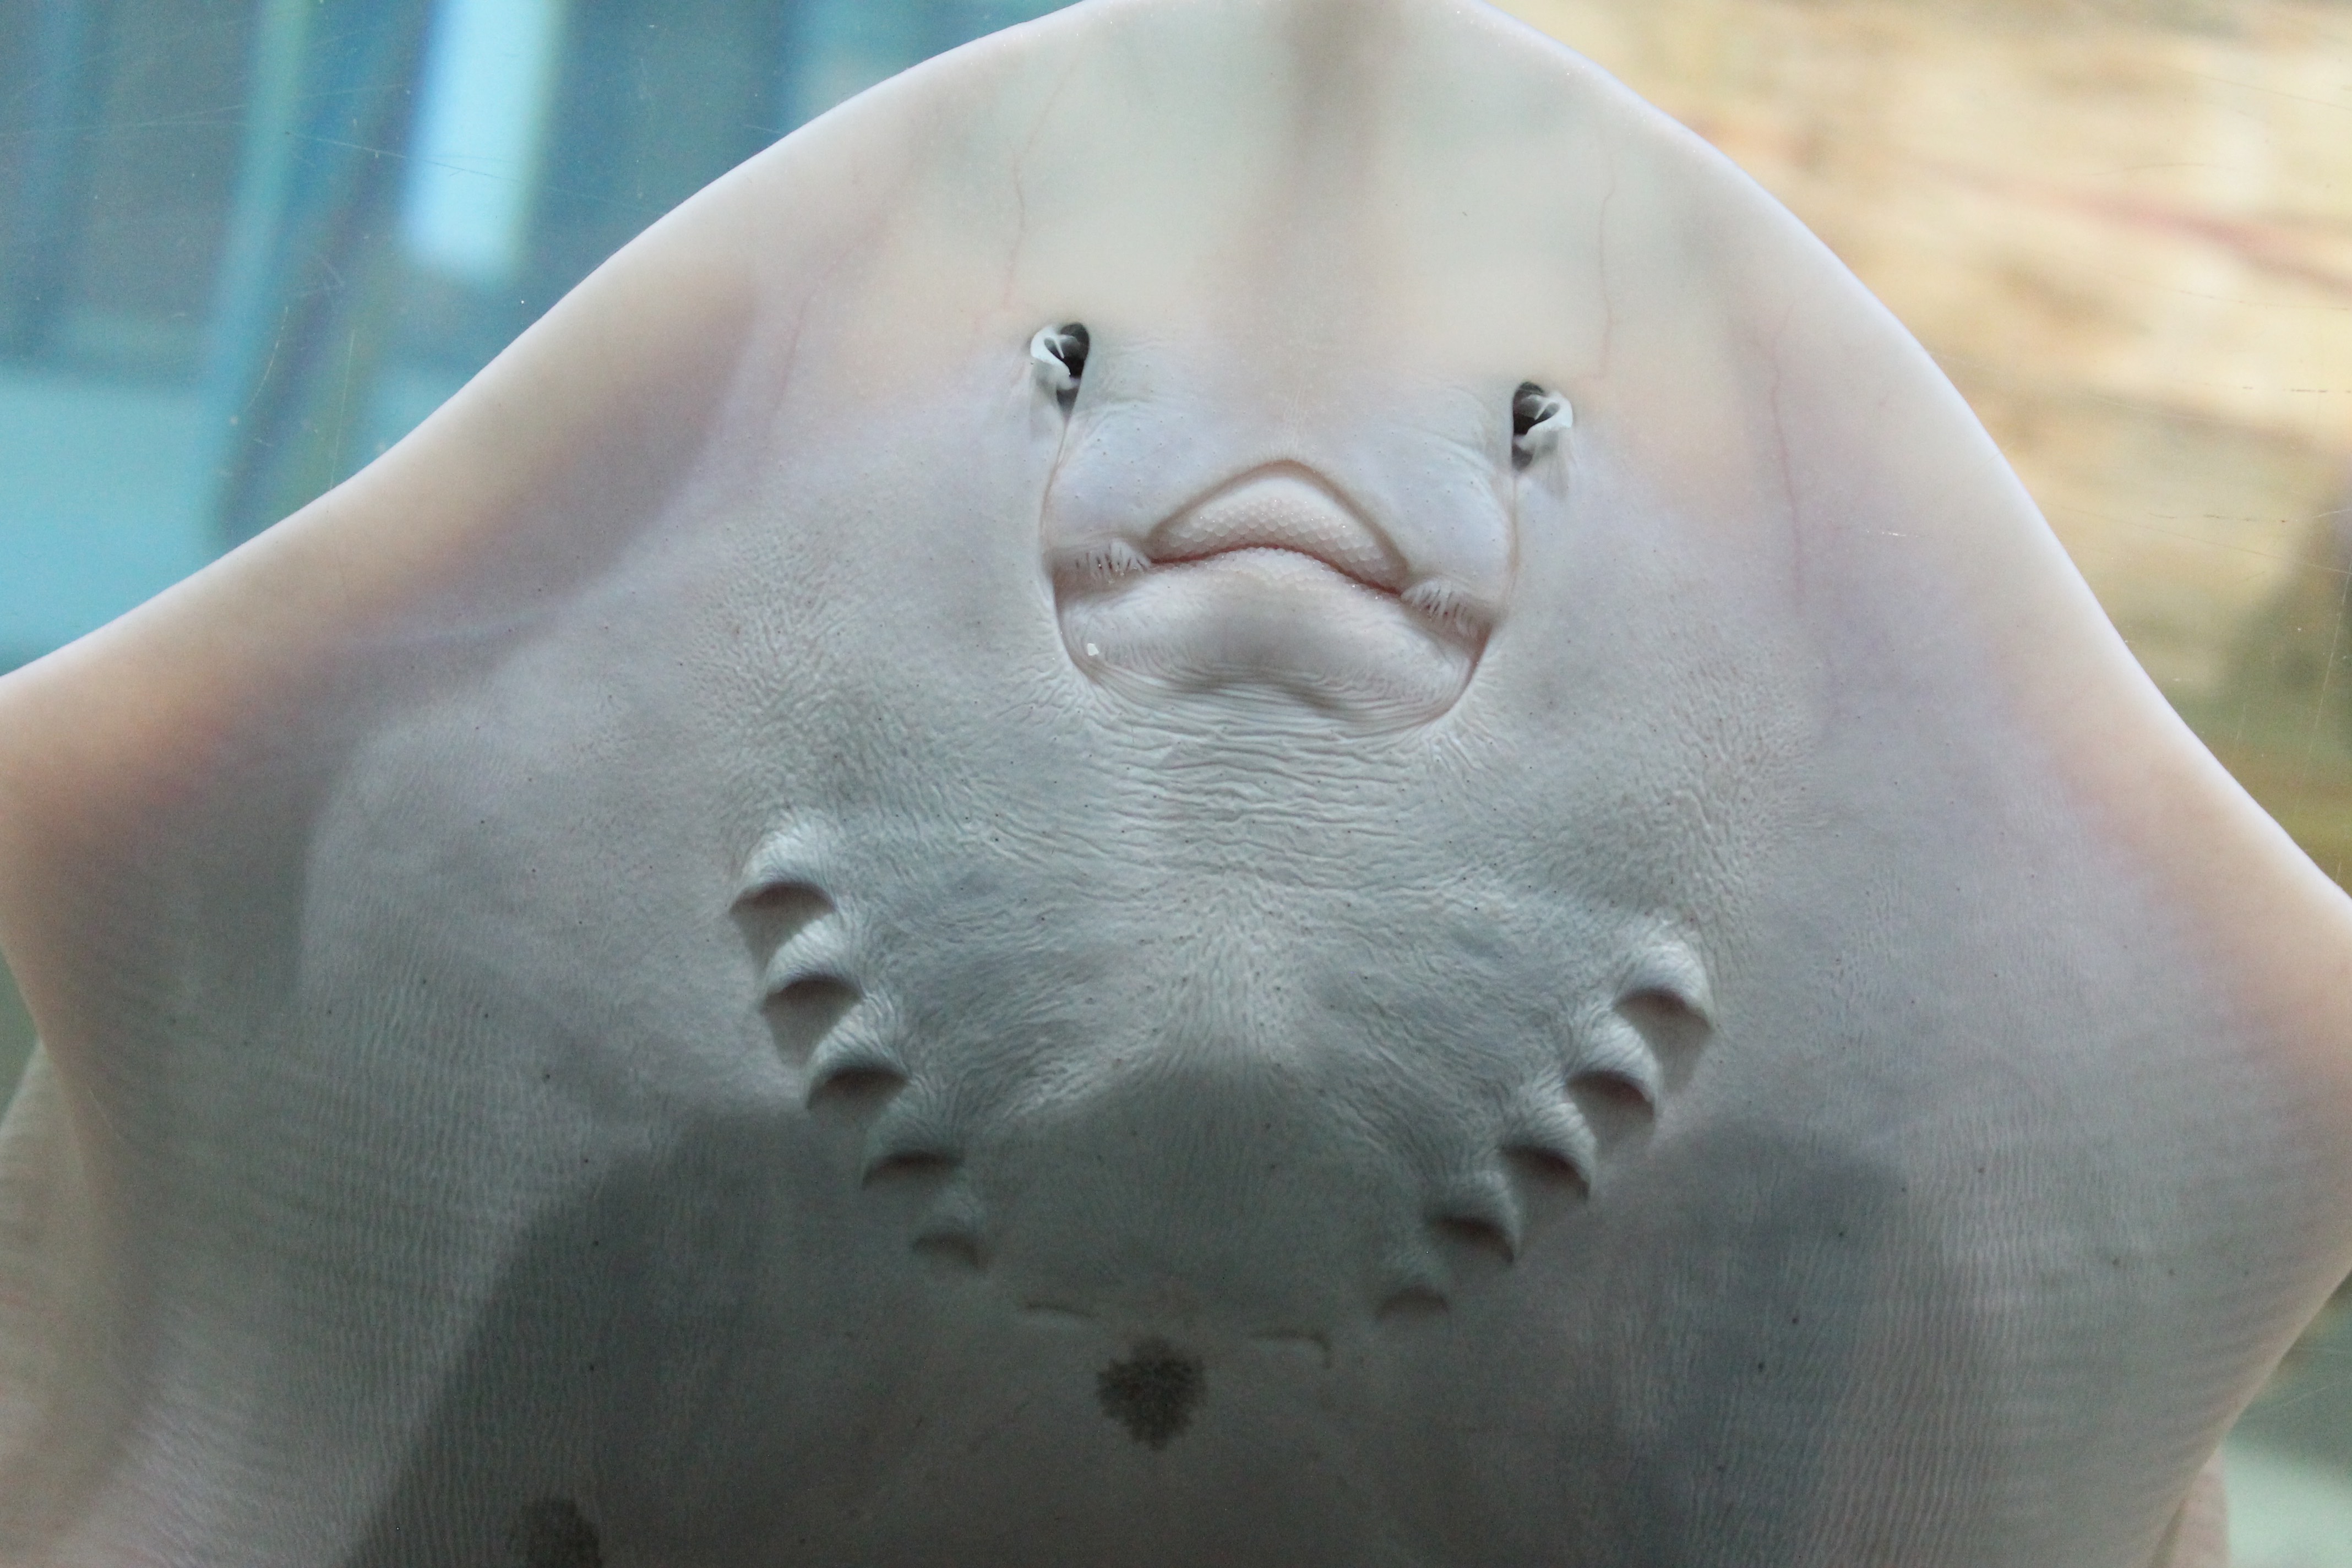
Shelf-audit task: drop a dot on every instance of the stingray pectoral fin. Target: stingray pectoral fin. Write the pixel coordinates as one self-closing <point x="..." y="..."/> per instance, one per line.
<point x="2281" y="934"/>
<point x="2201" y="869"/>
<point x="53" y="1414"/>
<point x="519" y="486"/>
<point x="2220" y="975"/>
<point x="2276" y="930"/>
<point x="159" y="780"/>
<point x="2199" y="1534"/>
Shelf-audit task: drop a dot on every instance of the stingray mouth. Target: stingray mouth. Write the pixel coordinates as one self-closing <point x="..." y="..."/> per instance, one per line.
<point x="1270" y="588"/>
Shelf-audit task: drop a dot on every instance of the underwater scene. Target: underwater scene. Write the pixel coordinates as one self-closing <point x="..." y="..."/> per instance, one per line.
<point x="247" y="245"/>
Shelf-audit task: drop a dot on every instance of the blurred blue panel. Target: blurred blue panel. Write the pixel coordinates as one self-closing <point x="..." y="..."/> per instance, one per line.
<point x="104" y="503"/>
<point x="840" y="48"/>
<point x="333" y="94"/>
<point x="251" y="243"/>
<point x="490" y="79"/>
<point x="51" y="198"/>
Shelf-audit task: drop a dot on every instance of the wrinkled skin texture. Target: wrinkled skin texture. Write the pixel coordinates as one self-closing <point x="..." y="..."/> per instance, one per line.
<point x="803" y="933"/>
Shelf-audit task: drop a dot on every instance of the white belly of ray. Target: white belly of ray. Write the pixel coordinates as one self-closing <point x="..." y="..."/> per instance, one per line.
<point x="1010" y="855"/>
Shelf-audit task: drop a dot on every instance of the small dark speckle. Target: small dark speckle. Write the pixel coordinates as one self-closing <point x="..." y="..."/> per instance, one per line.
<point x="1153" y="1393"/>
<point x="553" y="1534"/>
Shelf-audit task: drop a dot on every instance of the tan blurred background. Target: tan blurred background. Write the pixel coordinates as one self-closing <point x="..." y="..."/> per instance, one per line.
<point x="2126" y="232"/>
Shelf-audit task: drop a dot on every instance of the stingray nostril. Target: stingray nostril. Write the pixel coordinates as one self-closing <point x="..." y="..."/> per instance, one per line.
<point x="1531" y="406"/>
<point x="1537" y="417"/>
<point x="1060" y="355"/>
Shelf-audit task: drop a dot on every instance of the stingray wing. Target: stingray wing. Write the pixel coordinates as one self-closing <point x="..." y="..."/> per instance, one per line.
<point x="2024" y="958"/>
<point x="161" y="783"/>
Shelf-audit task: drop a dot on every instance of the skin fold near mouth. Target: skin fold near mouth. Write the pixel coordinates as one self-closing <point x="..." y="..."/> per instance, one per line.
<point x="1269" y="591"/>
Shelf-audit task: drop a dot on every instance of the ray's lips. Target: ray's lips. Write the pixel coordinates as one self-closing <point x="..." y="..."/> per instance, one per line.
<point x="1270" y="589"/>
<point x="1283" y="509"/>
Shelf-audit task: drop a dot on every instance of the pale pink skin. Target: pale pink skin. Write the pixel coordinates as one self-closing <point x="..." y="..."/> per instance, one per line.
<point x="769" y="944"/>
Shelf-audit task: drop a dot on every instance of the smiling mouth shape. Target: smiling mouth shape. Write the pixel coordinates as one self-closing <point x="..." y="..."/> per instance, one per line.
<point x="1280" y="508"/>
<point x="1269" y="589"/>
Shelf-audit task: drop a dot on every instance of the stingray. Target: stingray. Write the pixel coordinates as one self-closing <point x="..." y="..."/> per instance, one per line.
<point x="1239" y="782"/>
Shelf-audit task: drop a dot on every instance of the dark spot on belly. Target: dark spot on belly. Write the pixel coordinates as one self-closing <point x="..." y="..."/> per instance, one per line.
<point x="1154" y="1391"/>
<point x="553" y="1534"/>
